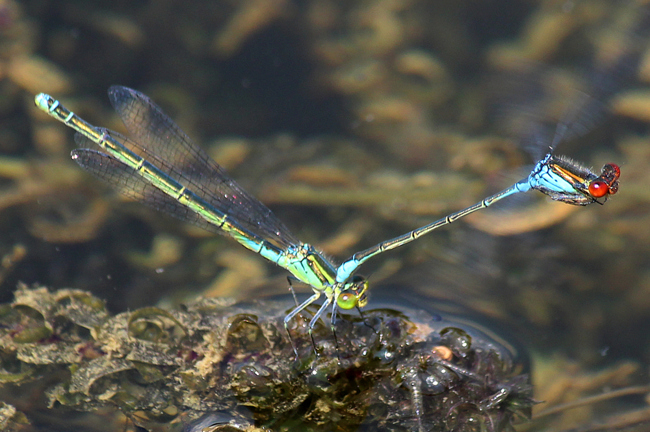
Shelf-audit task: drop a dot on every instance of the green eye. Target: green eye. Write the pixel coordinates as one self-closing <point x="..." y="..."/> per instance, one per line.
<point x="347" y="301"/>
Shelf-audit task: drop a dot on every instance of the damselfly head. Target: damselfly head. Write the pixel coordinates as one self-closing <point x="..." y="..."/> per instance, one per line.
<point x="355" y="294"/>
<point x="608" y="180"/>
<point x="606" y="183"/>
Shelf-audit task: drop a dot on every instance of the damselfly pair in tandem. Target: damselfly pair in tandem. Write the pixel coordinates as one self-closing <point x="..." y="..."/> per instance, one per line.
<point x="161" y="166"/>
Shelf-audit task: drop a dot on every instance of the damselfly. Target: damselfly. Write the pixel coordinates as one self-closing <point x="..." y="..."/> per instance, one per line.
<point x="162" y="167"/>
<point x="559" y="177"/>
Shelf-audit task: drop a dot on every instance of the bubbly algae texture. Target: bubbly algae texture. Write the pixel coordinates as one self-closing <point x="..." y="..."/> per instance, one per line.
<point x="214" y="365"/>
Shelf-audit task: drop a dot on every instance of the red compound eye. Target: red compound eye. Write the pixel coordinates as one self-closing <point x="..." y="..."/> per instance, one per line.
<point x="598" y="189"/>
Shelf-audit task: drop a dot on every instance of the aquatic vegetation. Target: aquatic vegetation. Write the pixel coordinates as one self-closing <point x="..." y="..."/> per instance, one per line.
<point x="216" y="365"/>
<point x="394" y="370"/>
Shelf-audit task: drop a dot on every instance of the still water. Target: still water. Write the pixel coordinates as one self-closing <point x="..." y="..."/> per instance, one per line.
<point x="354" y="122"/>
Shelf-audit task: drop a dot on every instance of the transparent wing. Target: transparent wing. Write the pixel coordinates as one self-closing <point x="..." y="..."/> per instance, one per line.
<point x="520" y="96"/>
<point x="147" y="192"/>
<point x="127" y="180"/>
<point x="157" y="138"/>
